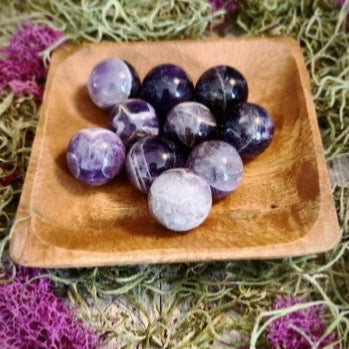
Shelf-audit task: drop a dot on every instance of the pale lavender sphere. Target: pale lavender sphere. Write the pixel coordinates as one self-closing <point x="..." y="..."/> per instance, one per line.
<point x="95" y="155"/>
<point x="220" y="164"/>
<point x="110" y="82"/>
<point x="134" y="119"/>
<point x="180" y="200"/>
<point x="190" y="123"/>
<point x="148" y="158"/>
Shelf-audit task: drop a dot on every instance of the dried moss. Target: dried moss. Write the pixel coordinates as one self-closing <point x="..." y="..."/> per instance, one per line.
<point x="196" y="305"/>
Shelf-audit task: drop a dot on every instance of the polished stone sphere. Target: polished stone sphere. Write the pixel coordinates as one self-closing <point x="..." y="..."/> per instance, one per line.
<point x="112" y="81"/>
<point x="134" y="119"/>
<point x="249" y="128"/>
<point x="190" y="123"/>
<point x="220" y="164"/>
<point x="180" y="200"/>
<point x="165" y="86"/>
<point x="136" y="83"/>
<point x="221" y="87"/>
<point x="95" y="155"/>
<point x="148" y="158"/>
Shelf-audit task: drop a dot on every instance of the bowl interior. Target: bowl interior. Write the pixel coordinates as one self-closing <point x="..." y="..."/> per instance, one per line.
<point x="277" y="202"/>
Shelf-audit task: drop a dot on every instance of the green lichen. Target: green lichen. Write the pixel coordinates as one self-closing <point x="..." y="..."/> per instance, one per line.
<point x="123" y="20"/>
<point x="205" y="305"/>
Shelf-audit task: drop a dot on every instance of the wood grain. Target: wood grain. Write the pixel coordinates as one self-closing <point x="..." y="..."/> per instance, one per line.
<point x="283" y="208"/>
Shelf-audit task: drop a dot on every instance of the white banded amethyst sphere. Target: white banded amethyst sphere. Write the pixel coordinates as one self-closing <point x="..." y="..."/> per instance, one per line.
<point x="95" y="155"/>
<point x="112" y="81"/>
<point x="134" y="119"/>
<point x="180" y="200"/>
<point x="220" y="164"/>
<point x="190" y="123"/>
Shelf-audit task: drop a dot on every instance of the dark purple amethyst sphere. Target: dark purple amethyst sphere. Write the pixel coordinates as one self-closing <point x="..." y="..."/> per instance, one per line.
<point x="95" y="155"/>
<point x="165" y="86"/>
<point x="248" y="127"/>
<point x="134" y="119"/>
<point x="221" y="87"/>
<point x="148" y="158"/>
<point x="190" y="123"/>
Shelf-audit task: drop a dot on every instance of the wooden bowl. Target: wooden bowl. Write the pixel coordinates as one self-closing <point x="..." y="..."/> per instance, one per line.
<point x="283" y="208"/>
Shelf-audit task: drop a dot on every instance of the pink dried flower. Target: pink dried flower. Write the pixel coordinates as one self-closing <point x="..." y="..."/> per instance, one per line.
<point x="21" y="67"/>
<point x="281" y="332"/>
<point x="31" y="316"/>
<point x="230" y="6"/>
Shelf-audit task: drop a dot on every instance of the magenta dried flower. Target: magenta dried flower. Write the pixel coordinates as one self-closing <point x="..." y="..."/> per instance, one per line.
<point x="310" y="321"/>
<point x="21" y="67"/>
<point x="32" y="316"/>
<point x="231" y="7"/>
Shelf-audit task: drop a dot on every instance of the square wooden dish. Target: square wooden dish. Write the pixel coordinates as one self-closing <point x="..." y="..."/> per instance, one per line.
<point x="283" y="208"/>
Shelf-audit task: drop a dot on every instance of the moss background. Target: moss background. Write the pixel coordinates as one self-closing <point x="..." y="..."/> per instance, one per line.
<point x="205" y="305"/>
